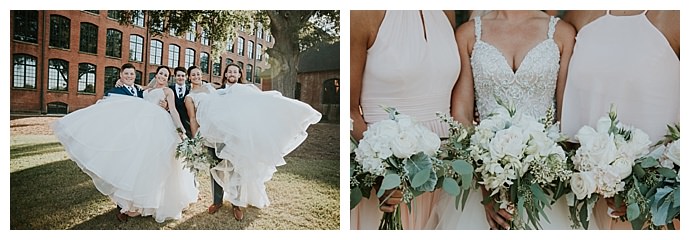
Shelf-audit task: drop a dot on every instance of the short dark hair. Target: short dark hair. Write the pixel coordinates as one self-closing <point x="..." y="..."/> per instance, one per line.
<point x="189" y="70"/>
<point x="180" y="69"/>
<point x="127" y="65"/>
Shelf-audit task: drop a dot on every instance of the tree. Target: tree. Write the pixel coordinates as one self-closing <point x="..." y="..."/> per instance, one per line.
<point x="293" y="31"/>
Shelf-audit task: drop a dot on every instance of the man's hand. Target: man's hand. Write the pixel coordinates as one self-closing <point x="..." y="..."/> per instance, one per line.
<point x="164" y="104"/>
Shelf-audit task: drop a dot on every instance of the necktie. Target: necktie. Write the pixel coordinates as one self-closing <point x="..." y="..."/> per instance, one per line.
<point x="131" y="89"/>
<point x="179" y="92"/>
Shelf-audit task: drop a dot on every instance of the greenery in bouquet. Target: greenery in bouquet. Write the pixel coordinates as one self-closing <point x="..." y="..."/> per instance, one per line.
<point x="652" y="191"/>
<point x="194" y="155"/>
<point x="602" y="163"/>
<point x="520" y="163"/>
<point x="455" y="173"/>
<point x="395" y="153"/>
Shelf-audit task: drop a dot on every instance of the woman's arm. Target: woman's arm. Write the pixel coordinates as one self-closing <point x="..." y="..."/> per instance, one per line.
<point x="363" y="27"/>
<point x="565" y="38"/>
<point x="191" y="112"/>
<point x="173" y="111"/>
<point x="462" y="98"/>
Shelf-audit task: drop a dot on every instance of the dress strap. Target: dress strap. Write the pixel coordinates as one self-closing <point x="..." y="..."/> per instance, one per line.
<point x="552" y="26"/>
<point x="608" y="12"/>
<point x="643" y="12"/>
<point x="477" y="28"/>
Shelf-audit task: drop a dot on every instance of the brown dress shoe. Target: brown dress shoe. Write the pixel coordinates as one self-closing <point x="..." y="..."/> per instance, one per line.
<point x="237" y="212"/>
<point x="121" y="217"/>
<point x="214" y="208"/>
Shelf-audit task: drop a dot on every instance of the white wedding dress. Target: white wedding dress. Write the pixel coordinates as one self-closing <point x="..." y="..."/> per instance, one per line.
<point x="127" y="146"/>
<point x="531" y="89"/>
<point x="251" y="130"/>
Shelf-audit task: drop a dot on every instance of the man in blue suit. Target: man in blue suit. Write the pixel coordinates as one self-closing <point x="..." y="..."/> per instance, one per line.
<point x="127" y="76"/>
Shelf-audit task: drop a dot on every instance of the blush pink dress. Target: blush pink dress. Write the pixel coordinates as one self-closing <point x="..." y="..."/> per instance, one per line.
<point x="412" y="66"/>
<point x="626" y="61"/>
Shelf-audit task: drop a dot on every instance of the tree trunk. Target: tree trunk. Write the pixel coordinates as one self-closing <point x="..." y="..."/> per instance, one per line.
<point x="285" y="27"/>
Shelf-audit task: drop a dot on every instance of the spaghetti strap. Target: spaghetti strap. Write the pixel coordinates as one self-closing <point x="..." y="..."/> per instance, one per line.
<point x="608" y="12"/>
<point x="477" y="28"/>
<point x="552" y="26"/>
<point x="644" y="12"/>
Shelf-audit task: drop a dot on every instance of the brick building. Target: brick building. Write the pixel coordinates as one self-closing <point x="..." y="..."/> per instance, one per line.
<point x="318" y="80"/>
<point x="65" y="60"/>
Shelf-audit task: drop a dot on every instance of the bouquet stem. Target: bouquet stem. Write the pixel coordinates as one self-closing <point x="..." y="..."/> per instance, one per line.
<point x="391" y="221"/>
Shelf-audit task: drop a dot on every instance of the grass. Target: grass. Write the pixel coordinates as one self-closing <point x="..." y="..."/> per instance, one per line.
<point x="49" y="191"/>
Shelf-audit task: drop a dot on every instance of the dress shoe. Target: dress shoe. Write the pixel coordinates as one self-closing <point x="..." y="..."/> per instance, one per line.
<point x="214" y="208"/>
<point x="237" y="212"/>
<point x="121" y="217"/>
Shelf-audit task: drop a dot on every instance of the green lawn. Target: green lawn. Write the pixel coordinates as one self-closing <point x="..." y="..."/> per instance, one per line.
<point x="49" y="191"/>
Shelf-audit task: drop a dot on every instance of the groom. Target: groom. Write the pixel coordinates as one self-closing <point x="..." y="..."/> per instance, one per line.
<point x="181" y="89"/>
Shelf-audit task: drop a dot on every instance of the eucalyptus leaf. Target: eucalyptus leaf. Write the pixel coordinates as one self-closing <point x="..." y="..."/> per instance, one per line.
<point x="451" y="187"/>
<point x="649" y="162"/>
<point x="420" y="178"/>
<point x="667" y="172"/>
<point x="539" y="194"/>
<point x="659" y="214"/>
<point x="390" y="181"/>
<point x="355" y="197"/>
<point x="416" y="164"/>
<point x="633" y="211"/>
<point x="676" y="197"/>
<point x="584" y="213"/>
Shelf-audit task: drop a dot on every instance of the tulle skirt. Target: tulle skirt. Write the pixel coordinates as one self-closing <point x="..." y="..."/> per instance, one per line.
<point x="127" y="146"/>
<point x="252" y="131"/>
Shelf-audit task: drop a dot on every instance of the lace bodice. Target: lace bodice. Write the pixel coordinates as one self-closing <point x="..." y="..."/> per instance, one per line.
<point x="200" y="95"/>
<point x="531" y="88"/>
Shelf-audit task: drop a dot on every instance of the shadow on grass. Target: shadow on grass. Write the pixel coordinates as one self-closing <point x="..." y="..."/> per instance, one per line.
<point x="28" y="150"/>
<point x="313" y="170"/>
<point x="224" y="217"/>
<point x="40" y="195"/>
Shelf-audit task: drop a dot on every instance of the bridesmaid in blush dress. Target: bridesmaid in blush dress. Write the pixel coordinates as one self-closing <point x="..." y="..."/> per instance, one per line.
<point x="630" y="59"/>
<point x="407" y="60"/>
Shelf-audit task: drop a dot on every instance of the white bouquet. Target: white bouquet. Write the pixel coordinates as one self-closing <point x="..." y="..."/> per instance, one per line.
<point x="520" y="163"/>
<point x="194" y="155"/>
<point x="400" y="153"/>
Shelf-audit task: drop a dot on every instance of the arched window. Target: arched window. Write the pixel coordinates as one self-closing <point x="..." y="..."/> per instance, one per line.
<point x="111" y="76"/>
<point x="113" y="43"/>
<point x="57" y="108"/>
<point x="136" y="48"/>
<point x="24" y="71"/>
<point x="59" y="31"/>
<point x="156" y="55"/>
<point x="87" y="78"/>
<point x="58" y="74"/>
<point x="88" y="38"/>
<point x="26" y="26"/>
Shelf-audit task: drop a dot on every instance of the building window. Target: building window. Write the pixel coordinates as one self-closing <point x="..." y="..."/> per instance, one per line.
<point x="112" y="74"/>
<point x="136" y="48"/>
<point x="58" y="74"/>
<point x="230" y="46"/>
<point x="257" y="78"/>
<point x="26" y="26"/>
<point x="204" y="62"/>
<point x="87" y="78"/>
<point x="57" y="108"/>
<point x="93" y="11"/>
<point x="59" y="31"/>
<point x="189" y="55"/>
<point x="250" y="49"/>
<point x="216" y="66"/>
<point x="152" y="75"/>
<point x="204" y="39"/>
<point x="113" y="43"/>
<point x="137" y="78"/>
<point x="249" y="73"/>
<point x="268" y="37"/>
<point x="156" y="56"/>
<point x="114" y="14"/>
<point x="259" y="51"/>
<point x="240" y="46"/>
<point x="228" y="61"/>
<point x="173" y="56"/>
<point x="138" y="18"/>
<point x="259" y="32"/>
<point x="24" y="71"/>
<point x="241" y="64"/>
<point x="88" y="38"/>
<point x="191" y="34"/>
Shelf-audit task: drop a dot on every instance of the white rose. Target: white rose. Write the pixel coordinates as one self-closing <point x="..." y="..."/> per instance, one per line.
<point x="510" y="142"/>
<point x="405" y="144"/>
<point x="596" y="148"/>
<point x="639" y="142"/>
<point x="429" y="142"/>
<point x="381" y="146"/>
<point x="622" y="167"/>
<point x="481" y="138"/>
<point x="364" y="150"/>
<point x="528" y="123"/>
<point x="673" y="152"/>
<point x="608" y="181"/>
<point x="385" y="128"/>
<point x="583" y="184"/>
